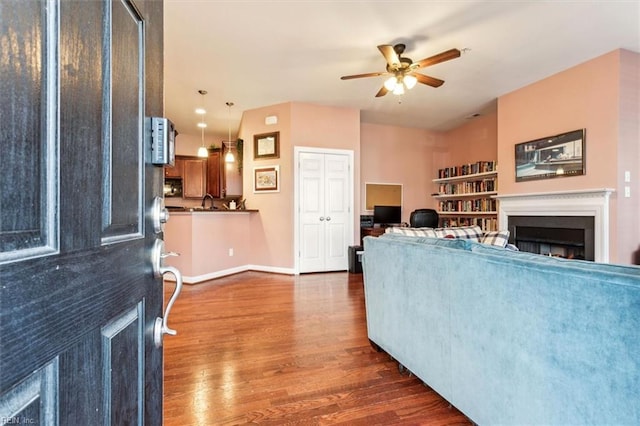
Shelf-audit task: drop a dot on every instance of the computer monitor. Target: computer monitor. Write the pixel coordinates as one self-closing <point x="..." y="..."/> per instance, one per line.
<point x="387" y="215"/>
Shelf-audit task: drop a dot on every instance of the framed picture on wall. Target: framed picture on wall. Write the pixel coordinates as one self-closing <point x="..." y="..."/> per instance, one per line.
<point x="266" y="145"/>
<point x="550" y="157"/>
<point x="266" y="179"/>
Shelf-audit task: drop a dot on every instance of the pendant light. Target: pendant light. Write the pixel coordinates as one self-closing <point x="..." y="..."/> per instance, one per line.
<point x="229" y="157"/>
<point x="202" y="151"/>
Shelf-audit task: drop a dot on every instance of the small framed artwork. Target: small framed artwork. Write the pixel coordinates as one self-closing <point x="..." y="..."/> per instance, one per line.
<point x="550" y="157"/>
<point x="266" y="179"/>
<point x="266" y="145"/>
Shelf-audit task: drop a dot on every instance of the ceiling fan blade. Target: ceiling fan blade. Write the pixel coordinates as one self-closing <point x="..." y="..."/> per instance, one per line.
<point x="369" y="74"/>
<point x="390" y="55"/>
<point x="436" y="59"/>
<point x="429" y="81"/>
<point x="383" y="91"/>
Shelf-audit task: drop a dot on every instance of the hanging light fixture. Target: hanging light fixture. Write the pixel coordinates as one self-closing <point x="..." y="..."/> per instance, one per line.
<point x="202" y="151"/>
<point x="399" y="82"/>
<point x="229" y="157"/>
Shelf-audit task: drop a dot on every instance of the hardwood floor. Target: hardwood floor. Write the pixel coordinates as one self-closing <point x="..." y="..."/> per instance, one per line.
<point x="277" y="349"/>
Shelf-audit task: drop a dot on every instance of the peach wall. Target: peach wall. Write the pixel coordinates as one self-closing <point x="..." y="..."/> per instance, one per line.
<point x="629" y="156"/>
<point x="474" y="141"/>
<point x="272" y="240"/>
<point x="566" y="101"/>
<point x="399" y="155"/>
<point x="204" y="239"/>
<point x="586" y="96"/>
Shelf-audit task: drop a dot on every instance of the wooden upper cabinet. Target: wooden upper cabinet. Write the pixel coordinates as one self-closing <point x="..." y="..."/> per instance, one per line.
<point x="215" y="174"/>
<point x="200" y="176"/>
<point x="176" y="171"/>
<point x="194" y="178"/>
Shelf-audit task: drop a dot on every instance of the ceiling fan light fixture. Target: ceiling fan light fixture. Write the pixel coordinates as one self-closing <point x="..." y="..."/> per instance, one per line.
<point x="410" y="81"/>
<point x="391" y="83"/>
<point x="399" y="89"/>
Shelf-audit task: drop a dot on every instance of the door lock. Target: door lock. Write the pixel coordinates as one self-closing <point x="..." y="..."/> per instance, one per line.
<point x="159" y="214"/>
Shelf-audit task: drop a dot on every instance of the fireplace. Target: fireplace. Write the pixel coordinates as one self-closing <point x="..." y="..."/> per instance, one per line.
<point x="570" y="237"/>
<point x="569" y="223"/>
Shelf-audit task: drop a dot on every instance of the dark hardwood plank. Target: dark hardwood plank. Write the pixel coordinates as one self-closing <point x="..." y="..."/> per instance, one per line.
<point x="277" y="349"/>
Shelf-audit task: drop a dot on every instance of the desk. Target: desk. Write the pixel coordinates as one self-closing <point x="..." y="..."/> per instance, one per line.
<point x="374" y="232"/>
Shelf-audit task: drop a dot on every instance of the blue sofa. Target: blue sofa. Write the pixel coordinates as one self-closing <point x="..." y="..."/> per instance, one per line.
<point x="507" y="337"/>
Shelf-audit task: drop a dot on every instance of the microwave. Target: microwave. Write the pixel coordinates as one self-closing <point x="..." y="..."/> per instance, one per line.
<point x="172" y="187"/>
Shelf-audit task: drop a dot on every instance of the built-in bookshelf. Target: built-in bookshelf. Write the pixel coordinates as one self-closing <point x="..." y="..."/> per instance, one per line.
<point x="465" y="195"/>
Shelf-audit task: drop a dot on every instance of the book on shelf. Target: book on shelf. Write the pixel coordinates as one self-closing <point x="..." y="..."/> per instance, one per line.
<point x="469" y="187"/>
<point x="469" y="206"/>
<point x="467" y="169"/>
<point x="485" y="223"/>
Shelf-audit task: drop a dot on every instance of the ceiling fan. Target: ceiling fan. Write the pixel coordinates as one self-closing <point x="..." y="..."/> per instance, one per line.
<point x="402" y="69"/>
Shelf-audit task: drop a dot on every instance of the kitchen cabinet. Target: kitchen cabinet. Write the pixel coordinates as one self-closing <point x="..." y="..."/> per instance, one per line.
<point x="215" y="174"/>
<point x="199" y="176"/>
<point x="175" y="171"/>
<point x="194" y="178"/>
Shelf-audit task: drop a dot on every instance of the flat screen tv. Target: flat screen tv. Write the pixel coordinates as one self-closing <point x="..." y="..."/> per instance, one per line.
<point x="387" y="215"/>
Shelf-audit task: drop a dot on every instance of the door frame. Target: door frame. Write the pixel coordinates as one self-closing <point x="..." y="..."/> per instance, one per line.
<point x="297" y="150"/>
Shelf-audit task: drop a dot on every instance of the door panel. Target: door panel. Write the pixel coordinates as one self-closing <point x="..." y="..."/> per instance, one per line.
<point x="74" y="310"/>
<point x="28" y="82"/>
<point x="338" y="212"/>
<point x="311" y="212"/>
<point x="123" y="363"/>
<point x="325" y="211"/>
<point x="122" y="209"/>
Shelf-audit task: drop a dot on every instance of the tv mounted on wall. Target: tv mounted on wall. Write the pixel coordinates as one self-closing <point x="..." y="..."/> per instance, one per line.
<point x="550" y="157"/>
<point x="387" y="215"/>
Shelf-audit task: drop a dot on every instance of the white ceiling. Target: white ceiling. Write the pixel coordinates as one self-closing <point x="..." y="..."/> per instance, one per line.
<point x="257" y="53"/>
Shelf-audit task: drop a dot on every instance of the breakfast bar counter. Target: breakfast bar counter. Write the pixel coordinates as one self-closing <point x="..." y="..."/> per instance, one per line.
<point x="210" y="243"/>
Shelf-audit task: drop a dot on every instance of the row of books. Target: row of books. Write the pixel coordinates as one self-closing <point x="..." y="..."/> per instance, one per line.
<point x="484" y="185"/>
<point x="467" y="169"/>
<point x="485" y="223"/>
<point x="475" y="205"/>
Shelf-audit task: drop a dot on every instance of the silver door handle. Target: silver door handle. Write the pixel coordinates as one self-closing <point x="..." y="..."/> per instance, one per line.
<point x="321" y="218"/>
<point x="328" y="218"/>
<point x="161" y="327"/>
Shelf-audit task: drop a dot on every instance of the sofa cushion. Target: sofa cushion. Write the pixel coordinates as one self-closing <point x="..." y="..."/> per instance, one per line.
<point x="412" y="232"/>
<point x="473" y="233"/>
<point x="496" y="238"/>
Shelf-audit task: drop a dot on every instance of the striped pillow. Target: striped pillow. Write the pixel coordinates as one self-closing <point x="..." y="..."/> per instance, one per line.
<point x="496" y="238"/>
<point x="473" y="233"/>
<point x="412" y="232"/>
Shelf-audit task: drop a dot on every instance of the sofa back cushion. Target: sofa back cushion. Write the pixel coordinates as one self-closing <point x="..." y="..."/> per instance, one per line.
<point x="457" y="243"/>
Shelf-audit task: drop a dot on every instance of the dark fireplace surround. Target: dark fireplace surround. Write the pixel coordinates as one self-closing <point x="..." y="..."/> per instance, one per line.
<point x="563" y="236"/>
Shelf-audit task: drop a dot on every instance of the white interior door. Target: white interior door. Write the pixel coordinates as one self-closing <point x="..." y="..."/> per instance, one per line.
<point x="324" y="197"/>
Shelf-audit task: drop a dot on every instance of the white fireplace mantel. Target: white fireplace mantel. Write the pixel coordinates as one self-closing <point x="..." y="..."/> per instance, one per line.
<point x="587" y="202"/>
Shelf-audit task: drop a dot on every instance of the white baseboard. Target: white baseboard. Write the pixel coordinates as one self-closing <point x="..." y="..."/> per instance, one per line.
<point x="223" y="273"/>
<point x="272" y="269"/>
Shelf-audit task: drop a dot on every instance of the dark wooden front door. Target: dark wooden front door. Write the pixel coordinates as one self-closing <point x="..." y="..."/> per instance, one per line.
<point x="78" y="299"/>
